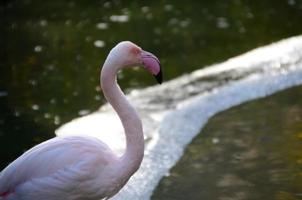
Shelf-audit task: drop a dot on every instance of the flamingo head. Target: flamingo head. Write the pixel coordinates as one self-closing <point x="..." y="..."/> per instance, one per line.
<point x="128" y="54"/>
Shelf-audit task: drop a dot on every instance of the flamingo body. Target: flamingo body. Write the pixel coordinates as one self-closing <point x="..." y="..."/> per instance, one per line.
<point x="66" y="166"/>
<point x="83" y="167"/>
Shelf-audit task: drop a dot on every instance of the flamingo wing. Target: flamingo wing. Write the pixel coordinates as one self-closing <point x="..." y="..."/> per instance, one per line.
<point x="58" y="165"/>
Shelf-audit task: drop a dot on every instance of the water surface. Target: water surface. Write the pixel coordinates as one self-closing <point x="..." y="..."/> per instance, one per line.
<point x="252" y="151"/>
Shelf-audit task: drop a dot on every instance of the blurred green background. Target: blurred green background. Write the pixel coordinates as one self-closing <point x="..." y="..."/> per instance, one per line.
<point x="51" y="51"/>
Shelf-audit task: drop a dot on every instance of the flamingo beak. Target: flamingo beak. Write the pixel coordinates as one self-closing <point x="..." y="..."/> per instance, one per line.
<point x="159" y="77"/>
<point x="152" y="64"/>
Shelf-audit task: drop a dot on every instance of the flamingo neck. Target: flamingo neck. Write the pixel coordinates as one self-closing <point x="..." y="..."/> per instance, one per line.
<point x="131" y="122"/>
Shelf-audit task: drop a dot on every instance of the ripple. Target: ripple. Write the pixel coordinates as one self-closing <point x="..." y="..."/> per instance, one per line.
<point x="99" y="43"/>
<point x="119" y="18"/>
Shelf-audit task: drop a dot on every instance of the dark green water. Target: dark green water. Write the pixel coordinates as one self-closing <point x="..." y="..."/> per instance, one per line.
<point x="252" y="151"/>
<point x="51" y="51"/>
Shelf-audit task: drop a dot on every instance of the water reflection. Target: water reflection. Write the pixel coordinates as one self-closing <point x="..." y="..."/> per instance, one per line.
<point x="52" y="51"/>
<point x="119" y="18"/>
<point x="252" y="151"/>
<point x="99" y="43"/>
<point x="102" y="26"/>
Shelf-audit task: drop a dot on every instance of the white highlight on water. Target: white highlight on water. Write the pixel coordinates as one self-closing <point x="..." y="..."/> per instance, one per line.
<point x="99" y="43"/>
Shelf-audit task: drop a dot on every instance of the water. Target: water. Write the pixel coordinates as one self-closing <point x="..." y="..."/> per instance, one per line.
<point x="252" y="151"/>
<point x="51" y="53"/>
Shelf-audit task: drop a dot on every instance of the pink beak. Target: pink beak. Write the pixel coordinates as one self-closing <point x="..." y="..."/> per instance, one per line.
<point x="152" y="64"/>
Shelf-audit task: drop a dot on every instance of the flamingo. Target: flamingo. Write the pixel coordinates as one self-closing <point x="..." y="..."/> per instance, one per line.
<point x="83" y="167"/>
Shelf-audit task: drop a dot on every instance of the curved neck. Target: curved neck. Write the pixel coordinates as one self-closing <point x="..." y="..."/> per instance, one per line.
<point x="131" y="122"/>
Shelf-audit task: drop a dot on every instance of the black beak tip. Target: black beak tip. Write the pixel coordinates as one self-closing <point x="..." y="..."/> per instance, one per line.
<point x="159" y="77"/>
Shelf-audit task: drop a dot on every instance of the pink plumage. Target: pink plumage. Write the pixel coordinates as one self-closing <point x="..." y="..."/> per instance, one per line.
<point x="82" y="167"/>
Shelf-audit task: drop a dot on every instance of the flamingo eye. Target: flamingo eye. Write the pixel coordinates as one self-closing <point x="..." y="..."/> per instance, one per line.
<point x="135" y="50"/>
